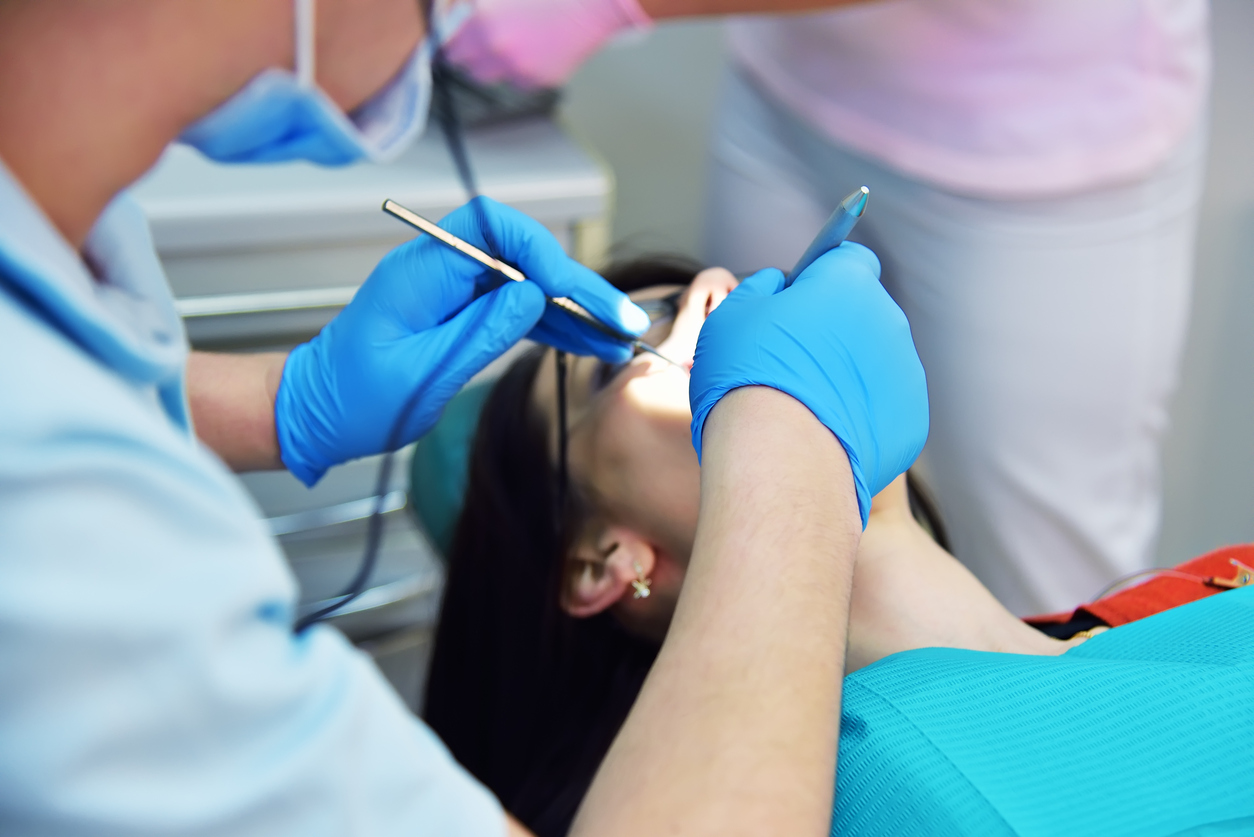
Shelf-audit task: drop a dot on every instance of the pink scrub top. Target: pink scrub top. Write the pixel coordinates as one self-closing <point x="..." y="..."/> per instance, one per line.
<point x="996" y="98"/>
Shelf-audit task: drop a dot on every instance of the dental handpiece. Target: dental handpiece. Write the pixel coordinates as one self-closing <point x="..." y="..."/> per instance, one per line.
<point x="568" y="305"/>
<point x="834" y="232"/>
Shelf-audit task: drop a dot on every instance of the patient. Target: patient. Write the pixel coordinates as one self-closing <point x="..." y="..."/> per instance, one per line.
<point x="571" y="549"/>
<point x="567" y="564"/>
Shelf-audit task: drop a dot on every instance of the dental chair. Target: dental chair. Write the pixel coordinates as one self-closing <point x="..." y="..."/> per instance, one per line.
<point x="438" y="469"/>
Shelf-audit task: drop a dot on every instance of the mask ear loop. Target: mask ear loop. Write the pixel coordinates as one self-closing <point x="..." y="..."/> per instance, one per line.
<point x="451" y="126"/>
<point x="563" y="439"/>
<point x="303" y="48"/>
<point x="563" y="471"/>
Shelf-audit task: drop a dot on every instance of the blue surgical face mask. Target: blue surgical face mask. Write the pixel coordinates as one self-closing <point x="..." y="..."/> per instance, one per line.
<point x="282" y="115"/>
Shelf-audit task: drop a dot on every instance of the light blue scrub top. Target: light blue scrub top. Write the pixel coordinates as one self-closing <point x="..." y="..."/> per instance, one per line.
<point x="151" y="680"/>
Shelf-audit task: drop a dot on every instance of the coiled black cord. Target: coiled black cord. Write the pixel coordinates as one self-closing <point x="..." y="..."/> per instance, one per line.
<point x="444" y="108"/>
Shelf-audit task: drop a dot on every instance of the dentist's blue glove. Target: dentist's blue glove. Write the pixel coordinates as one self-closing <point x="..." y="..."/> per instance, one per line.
<point x="837" y="343"/>
<point x="428" y="318"/>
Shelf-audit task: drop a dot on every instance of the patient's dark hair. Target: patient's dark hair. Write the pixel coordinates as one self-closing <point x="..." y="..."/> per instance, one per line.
<point x="526" y="697"/>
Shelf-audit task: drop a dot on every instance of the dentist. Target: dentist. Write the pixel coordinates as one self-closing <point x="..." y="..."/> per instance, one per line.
<point x="152" y="680"/>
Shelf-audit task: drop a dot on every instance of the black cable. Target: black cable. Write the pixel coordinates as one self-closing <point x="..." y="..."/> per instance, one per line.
<point x="563" y="437"/>
<point x="450" y="122"/>
<point x="450" y="125"/>
<point x="374" y="527"/>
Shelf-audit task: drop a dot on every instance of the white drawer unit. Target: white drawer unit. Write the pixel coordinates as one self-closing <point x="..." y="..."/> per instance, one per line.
<point x="258" y="251"/>
<point x="261" y="257"/>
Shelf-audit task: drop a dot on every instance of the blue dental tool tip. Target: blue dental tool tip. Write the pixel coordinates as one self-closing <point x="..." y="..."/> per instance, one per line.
<point x="835" y="231"/>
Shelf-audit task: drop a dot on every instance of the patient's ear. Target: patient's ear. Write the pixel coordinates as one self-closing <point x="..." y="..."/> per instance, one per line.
<point x="602" y="570"/>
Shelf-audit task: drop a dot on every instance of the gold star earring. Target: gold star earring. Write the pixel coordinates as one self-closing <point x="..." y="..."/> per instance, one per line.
<point x="641" y="582"/>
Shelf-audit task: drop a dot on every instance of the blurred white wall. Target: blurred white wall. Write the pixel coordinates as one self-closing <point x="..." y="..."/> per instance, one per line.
<point x="1210" y="453"/>
<point x="646" y="106"/>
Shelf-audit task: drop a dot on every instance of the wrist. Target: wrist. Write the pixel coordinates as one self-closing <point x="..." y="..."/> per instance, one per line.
<point x="767" y="451"/>
<point x="274" y="379"/>
<point x="294" y="432"/>
<point x="232" y="399"/>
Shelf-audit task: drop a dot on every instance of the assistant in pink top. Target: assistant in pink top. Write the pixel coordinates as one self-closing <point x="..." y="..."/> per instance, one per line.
<point x="1012" y="98"/>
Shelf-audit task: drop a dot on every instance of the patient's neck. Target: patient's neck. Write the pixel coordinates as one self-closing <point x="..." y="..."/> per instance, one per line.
<point x="909" y="593"/>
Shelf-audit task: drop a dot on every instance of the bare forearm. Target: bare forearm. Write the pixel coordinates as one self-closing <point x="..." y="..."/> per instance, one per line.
<point x="661" y="9"/>
<point x="232" y="401"/>
<point x="736" y="727"/>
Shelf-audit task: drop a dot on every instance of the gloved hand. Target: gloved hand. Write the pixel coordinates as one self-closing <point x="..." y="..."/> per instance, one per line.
<point x="837" y="343"/>
<point x="538" y="43"/>
<point x="425" y="321"/>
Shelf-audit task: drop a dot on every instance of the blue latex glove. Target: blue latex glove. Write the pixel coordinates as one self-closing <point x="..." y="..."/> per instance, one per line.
<point x="837" y="343"/>
<point x="426" y="320"/>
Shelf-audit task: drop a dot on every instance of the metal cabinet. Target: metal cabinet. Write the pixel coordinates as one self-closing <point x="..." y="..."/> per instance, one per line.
<point x="261" y="257"/>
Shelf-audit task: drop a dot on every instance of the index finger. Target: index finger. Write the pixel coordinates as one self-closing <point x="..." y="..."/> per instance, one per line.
<point x="516" y="238"/>
<point x="848" y="256"/>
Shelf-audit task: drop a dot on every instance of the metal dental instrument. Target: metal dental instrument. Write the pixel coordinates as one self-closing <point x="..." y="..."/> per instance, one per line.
<point x="568" y="305"/>
<point x="834" y="232"/>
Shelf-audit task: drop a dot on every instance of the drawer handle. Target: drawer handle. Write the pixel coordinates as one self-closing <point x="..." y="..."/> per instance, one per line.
<point x="304" y="521"/>
<point x="373" y="598"/>
<point x="224" y="305"/>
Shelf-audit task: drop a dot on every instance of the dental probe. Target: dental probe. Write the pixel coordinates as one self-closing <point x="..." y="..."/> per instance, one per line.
<point x="834" y="232"/>
<point x="567" y="304"/>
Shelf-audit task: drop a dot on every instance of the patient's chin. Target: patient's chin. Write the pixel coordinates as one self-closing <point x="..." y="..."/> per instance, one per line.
<point x="661" y="390"/>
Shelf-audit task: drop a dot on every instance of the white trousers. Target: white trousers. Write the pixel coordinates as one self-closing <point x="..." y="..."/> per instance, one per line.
<point x="1051" y="331"/>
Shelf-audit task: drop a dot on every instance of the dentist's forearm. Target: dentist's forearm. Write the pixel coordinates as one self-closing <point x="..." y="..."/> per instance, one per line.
<point x="735" y="730"/>
<point x="232" y="402"/>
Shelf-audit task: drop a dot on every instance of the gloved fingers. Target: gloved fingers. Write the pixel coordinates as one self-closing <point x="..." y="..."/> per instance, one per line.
<point x="562" y="331"/>
<point x="514" y="237"/>
<point x="766" y="282"/>
<point x="423" y="283"/>
<point x="525" y="243"/>
<point x="490" y="325"/>
<point x="300" y="409"/>
<point x="848" y="257"/>
<point x="605" y="302"/>
<point x="463" y="346"/>
<point x="837" y="343"/>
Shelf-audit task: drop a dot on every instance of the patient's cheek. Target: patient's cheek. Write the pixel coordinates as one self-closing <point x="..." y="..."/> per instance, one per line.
<point x="645" y="425"/>
<point x="660" y="395"/>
